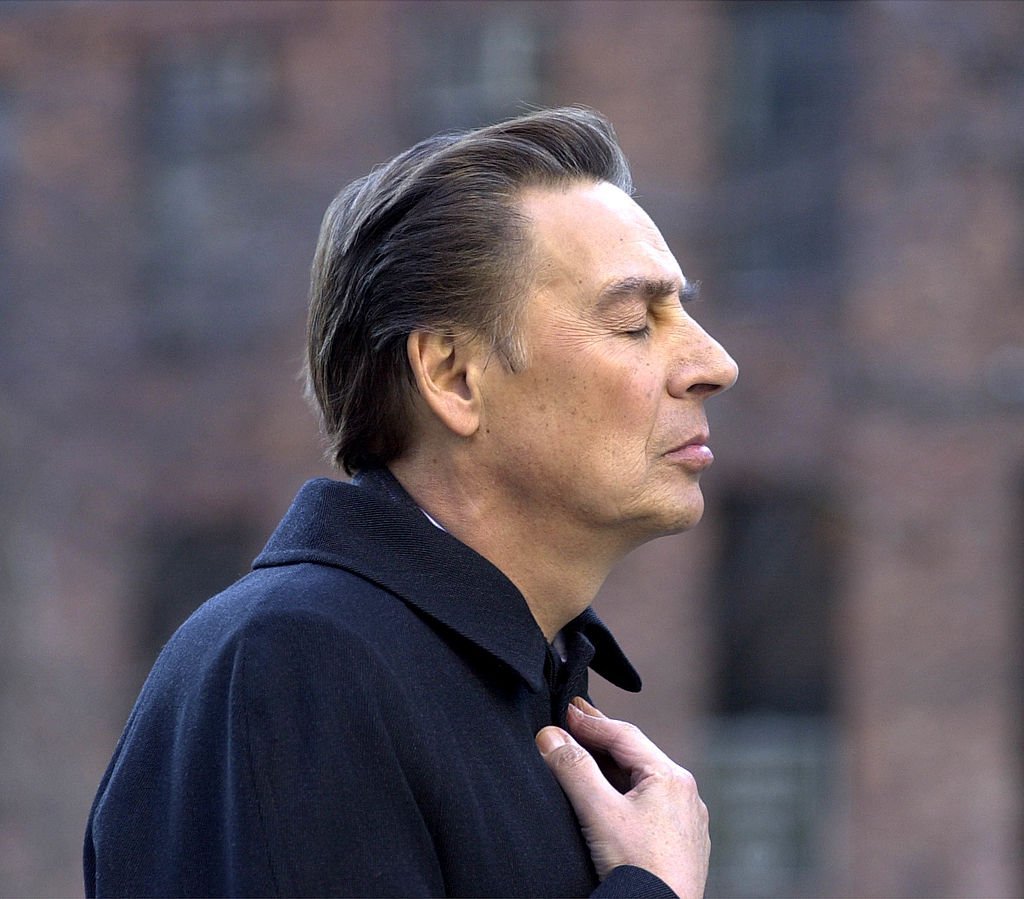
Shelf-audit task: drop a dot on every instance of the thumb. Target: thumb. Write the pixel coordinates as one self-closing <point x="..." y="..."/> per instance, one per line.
<point x="576" y="772"/>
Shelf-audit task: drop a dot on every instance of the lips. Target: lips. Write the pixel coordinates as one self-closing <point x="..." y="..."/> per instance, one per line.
<point x="694" y="455"/>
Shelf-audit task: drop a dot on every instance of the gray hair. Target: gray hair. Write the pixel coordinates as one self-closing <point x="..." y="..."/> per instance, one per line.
<point x="433" y="240"/>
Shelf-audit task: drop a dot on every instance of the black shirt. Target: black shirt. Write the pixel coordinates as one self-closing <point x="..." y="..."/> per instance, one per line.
<point x="356" y="716"/>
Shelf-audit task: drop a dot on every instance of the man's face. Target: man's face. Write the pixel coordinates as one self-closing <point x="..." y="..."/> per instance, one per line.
<point x="603" y="432"/>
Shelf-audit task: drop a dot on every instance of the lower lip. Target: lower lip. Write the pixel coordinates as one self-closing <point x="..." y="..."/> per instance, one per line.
<point x="694" y="456"/>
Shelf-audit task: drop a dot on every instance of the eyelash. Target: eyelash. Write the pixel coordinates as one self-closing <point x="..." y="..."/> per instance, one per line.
<point x="639" y="333"/>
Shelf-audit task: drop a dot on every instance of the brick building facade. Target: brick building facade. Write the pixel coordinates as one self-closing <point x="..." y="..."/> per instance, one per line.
<point x="834" y="651"/>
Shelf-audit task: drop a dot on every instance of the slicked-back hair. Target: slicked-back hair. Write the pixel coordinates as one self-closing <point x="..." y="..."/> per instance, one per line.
<point x="433" y="240"/>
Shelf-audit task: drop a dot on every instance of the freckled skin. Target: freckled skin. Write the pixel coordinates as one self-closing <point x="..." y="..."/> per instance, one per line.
<point x="577" y="438"/>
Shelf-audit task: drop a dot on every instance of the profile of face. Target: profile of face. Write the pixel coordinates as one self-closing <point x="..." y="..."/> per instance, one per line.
<point x="604" y="428"/>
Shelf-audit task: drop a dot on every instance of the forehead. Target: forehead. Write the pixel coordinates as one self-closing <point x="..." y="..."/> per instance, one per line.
<point x="592" y="235"/>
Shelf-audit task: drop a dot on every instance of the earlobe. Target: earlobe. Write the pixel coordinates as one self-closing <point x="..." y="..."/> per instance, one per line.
<point x="445" y="368"/>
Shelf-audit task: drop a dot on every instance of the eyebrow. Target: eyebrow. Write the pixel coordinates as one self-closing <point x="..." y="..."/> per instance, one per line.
<point x="648" y="289"/>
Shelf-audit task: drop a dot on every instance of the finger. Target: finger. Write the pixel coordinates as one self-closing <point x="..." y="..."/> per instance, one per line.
<point x="576" y="772"/>
<point x="625" y="743"/>
<point x="585" y="706"/>
<point x="618" y="777"/>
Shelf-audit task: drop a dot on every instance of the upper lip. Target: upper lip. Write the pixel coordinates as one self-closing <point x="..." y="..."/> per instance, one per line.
<point x="697" y="440"/>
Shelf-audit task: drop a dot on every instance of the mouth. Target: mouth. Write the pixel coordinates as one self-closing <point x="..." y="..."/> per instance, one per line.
<point x="694" y="455"/>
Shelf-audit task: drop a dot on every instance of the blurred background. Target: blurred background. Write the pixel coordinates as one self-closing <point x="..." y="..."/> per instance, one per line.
<point x="834" y="651"/>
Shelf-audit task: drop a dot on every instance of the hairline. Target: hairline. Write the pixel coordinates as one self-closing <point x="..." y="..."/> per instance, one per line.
<point x="530" y="263"/>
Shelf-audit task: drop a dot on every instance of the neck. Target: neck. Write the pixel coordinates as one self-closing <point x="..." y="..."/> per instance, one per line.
<point x="557" y="571"/>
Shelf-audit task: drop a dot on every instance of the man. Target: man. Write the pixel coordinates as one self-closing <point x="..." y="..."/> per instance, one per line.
<point x="393" y="702"/>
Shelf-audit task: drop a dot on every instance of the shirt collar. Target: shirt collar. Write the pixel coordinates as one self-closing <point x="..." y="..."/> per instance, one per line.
<point x="373" y="528"/>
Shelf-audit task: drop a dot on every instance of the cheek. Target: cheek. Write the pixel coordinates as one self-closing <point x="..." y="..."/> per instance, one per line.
<point x="610" y="403"/>
<point x="636" y="392"/>
<point x="626" y="408"/>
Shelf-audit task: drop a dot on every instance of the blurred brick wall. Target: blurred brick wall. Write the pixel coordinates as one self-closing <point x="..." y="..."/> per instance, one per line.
<point x="151" y="326"/>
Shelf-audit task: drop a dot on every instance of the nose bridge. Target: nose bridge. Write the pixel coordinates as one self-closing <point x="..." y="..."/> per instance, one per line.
<point x="700" y="362"/>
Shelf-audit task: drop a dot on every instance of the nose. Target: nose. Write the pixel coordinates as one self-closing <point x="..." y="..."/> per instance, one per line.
<point x="702" y="367"/>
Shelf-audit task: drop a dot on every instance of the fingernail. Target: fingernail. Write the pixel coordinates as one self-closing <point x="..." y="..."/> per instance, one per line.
<point x="549" y="739"/>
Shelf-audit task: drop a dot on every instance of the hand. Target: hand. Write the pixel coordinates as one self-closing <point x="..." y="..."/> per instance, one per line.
<point x="658" y="822"/>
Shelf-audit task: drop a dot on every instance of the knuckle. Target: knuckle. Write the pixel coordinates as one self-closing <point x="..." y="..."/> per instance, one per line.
<point x="569" y="758"/>
<point x="680" y="783"/>
<point x="626" y="734"/>
<point x="686" y="780"/>
<point x="628" y="730"/>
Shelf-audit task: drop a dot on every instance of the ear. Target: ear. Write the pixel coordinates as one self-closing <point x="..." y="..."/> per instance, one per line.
<point x="446" y="369"/>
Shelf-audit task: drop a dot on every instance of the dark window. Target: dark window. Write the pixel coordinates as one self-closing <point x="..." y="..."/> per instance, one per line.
<point x="208" y="248"/>
<point x="204" y="99"/>
<point x="773" y="604"/>
<point x="787" y="85"/>
<point x="475" y="64"/>
<point x="782" y="116"/>
<point x="768" y="783"/>
<point x="770" y="747"/>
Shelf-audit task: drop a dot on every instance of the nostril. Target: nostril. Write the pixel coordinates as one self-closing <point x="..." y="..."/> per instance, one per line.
<point x="703" y="389"/>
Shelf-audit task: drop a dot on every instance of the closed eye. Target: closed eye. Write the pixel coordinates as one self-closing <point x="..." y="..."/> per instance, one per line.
<point x="648" y="290"/>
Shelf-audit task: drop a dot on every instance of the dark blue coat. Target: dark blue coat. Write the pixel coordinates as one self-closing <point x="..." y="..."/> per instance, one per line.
<point x="355" y="717"/>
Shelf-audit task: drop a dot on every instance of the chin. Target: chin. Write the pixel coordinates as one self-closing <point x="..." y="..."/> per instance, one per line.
<point x="676" y="517"/>
<point x="689" y="513"/>
<point x="685" y="522"/>
<point x="654" y="513"/>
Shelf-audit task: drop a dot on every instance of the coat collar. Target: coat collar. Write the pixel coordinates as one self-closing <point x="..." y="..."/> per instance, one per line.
<point x="374" y="529"/>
